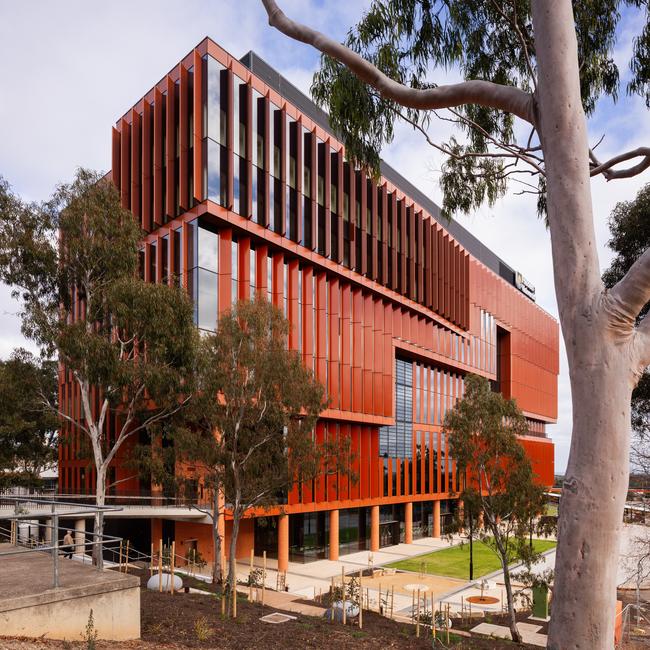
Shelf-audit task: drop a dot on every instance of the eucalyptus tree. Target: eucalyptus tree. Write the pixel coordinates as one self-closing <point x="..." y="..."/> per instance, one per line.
<point x="541" y="64"/>
<point x="482" y="432"/>
<point x="254" y="437"/>
<point x="28" y="431"/>
<point x="127" y="346"/>
<point x="629" y="225"/>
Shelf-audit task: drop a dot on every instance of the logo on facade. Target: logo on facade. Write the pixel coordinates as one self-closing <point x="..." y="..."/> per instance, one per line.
<point x="524" y="286"/>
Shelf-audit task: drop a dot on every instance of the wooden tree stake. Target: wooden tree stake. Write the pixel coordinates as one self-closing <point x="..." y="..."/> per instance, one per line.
<point x="343" y="583"/>
<point x="172" y="561"/>
<point x="250" y="580"/>
<point x="160" y="554"/>
<point x="433" y="616"/>
<point x="360" y="602"/>
<point x="447" y="623"/>
<point x="263" y="577"/>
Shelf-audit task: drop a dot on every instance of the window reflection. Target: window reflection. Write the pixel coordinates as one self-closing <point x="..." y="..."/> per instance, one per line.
<point x="203" y="283"/>
<point x="216" y="118"/>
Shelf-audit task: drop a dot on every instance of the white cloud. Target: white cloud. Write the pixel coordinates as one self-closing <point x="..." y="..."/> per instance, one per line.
<point x="74" y="66"/>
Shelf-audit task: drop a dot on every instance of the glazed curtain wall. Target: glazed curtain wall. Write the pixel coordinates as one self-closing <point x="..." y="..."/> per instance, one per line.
<point x="240" y="193"/>
<point x="210" y="130"/>
<point x="346" y="335"/>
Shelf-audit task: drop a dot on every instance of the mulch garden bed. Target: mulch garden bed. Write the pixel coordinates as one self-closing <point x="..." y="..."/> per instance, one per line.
<point x="194" y="621"/>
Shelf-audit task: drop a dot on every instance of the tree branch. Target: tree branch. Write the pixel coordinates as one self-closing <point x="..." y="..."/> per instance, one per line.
<point x="631" y="293"/>
<point x="643" y="342"/>
<point x="610" y="174"/>
<point x="485" y="93"/>
<point x="508" y="151"/>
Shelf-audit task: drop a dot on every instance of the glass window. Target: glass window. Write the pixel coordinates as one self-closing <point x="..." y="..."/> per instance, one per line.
<point x="253" y="273"/>
<point x="153" y="253"/>
<point x="258" y="123"/>
<point x="234" y="271"/>
<point x="206" y="299"/>
<point x="275" y="139"/>
<point x="291" y="226"/>
<point x="240" y="110"/>
<point x="164" y="258"/>
<point x="217" y="101"/>
<point x="240" y="186"/>
<point x="217" y="172"/>
<point x="177" y="271"/>
<point x="208" y="249"/>
<point x="321" y="151"/>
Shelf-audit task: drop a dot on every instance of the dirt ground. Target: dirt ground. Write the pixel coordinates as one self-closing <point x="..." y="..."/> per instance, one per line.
<point x="194" y="621"/>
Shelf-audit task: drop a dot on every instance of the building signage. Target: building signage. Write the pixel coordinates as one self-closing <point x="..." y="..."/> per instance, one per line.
<point x="524" y="286"/>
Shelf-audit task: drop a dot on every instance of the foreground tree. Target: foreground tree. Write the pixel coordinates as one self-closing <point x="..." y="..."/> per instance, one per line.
<point x="546" y="63"/>
<point x="255" y="439"/>
<point x="629" y="225"/>
<point x="28" y="440"/>
<point x="482" y="431"/>
<point x="129" y="346"/>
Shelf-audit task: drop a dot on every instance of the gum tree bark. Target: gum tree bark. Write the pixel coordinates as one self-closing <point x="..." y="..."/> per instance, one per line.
<point x="606" y="351"/>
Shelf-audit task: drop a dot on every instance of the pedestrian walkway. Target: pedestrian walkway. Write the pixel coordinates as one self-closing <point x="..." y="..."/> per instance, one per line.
<point x="529" y="632"/>
<point x="312" y="578"/>
<point x="288" y="603"/>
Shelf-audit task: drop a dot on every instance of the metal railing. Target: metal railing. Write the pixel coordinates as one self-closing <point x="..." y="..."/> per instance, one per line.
<point x="30" y="508"/>
<point x="128" y="499"/>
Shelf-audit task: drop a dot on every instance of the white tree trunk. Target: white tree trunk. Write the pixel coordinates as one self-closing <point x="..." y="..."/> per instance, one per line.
<point x="216" y="540"/>
<point x="512" y="623"/>
<point x="598" y="350"/>
<point x="98" y="527"/>
<point x="232" y="560"/>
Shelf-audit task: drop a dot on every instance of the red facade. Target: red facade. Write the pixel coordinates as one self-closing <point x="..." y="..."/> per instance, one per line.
<point x="365" y="273"/>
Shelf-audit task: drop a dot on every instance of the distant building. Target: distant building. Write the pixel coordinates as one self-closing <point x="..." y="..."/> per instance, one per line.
<point x="242" y="190"/>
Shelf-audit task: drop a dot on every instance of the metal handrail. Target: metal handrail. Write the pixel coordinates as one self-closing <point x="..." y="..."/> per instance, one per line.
<point x="55" y="547"/>
<point x="123" y="499"/>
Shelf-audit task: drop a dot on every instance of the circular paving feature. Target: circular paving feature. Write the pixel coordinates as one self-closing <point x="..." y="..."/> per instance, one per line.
<point x="482" y="600"/>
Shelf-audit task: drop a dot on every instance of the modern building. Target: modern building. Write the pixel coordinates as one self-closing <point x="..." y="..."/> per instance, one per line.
<point x="243" y="189"/>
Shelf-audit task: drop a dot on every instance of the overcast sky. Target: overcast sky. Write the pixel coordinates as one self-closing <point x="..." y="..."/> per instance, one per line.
<point x="72" y="67"/>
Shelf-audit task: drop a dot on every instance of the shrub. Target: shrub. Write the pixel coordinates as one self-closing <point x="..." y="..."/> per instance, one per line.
<point x="202" y="629"/>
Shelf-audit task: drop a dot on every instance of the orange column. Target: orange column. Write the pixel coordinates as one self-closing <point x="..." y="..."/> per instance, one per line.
<point x="283" y="543"/>
<point x="374" y="528"/>
<point x="334" y="534"/>
<point x="436" y="518"/>
<point x="408" y="523"/>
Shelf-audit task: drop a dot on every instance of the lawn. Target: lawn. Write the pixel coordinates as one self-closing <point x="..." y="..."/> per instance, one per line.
<point x="454" y="561"/>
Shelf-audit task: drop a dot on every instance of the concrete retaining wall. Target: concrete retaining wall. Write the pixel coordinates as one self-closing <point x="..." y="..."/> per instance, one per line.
<point x="63" y="613"/>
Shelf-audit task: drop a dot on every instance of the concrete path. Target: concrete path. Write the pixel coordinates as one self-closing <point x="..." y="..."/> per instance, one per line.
<point x="529" y="632"/>
<point x="311" y="578"/>
<point x="288" y="603"/>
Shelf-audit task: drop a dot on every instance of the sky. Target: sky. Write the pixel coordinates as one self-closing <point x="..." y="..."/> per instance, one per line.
<point x="72" y="67"/>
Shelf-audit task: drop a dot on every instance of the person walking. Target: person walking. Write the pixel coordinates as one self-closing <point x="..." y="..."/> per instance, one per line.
<point x="68" y="544"/>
